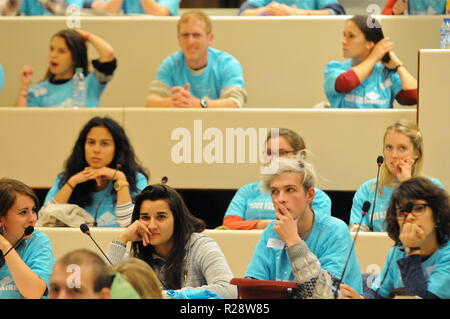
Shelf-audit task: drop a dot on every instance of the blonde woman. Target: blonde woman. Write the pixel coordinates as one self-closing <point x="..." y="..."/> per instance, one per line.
<point x="403" y="159"/>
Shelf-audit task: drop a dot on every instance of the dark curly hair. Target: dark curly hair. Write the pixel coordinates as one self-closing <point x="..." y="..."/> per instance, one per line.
<point x="424" y="189"/>
<point x="184" y="225"/>
<point x="124" y="155"/>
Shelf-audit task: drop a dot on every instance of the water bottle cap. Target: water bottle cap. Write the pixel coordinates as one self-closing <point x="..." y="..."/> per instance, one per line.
<point x="79" y="70"/>
<point x="447" y="20"/>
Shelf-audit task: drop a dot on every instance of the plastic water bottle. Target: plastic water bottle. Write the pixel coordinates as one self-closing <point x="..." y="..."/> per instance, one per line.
<point x="445" y="34"/>
<point x="78" y="89"/>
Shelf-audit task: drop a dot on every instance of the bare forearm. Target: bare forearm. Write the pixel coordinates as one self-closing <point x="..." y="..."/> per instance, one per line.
<point x="27" y="282"/>
<point x="254" y="12"/>
<point x="222" y="103"/>
<point x="151" y="7"/>
<point x="22" y="99"/>
<point x="103" y="48"/>
<point x="365" y="68"/>
<point x="64" y="193"/>
<point x="408" y="81"/>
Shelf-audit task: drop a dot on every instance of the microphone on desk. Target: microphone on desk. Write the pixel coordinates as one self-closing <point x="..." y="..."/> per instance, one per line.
<point x="406" y="211"/>
<point x="28" y="231"/>
<point x="365" y="209"/>
<point x="380" y="160"/>
<point x="164" y="180"/>
<point x="85" y="229"/>
<point x="118" y="167"/>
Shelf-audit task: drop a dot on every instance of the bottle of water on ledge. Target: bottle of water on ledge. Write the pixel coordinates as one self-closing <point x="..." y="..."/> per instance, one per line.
<point x="79" y="89"/>
<point x="445" y="34"/>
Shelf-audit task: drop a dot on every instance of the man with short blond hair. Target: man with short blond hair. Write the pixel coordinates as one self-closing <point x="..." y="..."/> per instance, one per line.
<point x="197" y="76"/>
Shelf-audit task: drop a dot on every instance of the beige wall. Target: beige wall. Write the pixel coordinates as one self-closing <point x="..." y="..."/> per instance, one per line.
<point x="283" y="58"/>
<point x="345" y="143"/>
<point x="434" y="116"/>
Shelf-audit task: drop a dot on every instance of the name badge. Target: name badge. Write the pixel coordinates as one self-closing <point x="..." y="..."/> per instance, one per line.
<point x="275" y="243"/>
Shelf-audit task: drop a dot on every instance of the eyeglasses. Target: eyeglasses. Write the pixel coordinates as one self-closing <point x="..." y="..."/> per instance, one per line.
<point x="417" y="210"/>
<point x="281" y="153"/>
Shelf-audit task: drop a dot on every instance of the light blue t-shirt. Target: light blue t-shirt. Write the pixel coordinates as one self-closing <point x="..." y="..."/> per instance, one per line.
<point x="436" y="270"/>
<point x="2" y="77"/>
<point x="36" y="252"/>
<point x="377" y="91"/>
<point x="329" y="241"/>
<point x="251" y="203"/>
<point x="135" y="6"/>
<point x="426" y="7"/>
<point x="222" y="71"/>
<point x="46" y="94"/>
<point x="366" y="192"/>
<point x="35" y="8"/>
<point x="300" y="4"/>
<point x="106" y="215"/>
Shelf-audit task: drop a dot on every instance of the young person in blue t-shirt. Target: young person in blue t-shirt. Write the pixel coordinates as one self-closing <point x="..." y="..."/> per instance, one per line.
<point x="37" y="7"/>
<point x="25" y="270"/>
<point x="291" y="7"/>
<point x="403" y="159"/>
<point x="68" y="51"/>
<point x="251" y="208"/>
<point x="419" y="263"/>
<point x="101" y="175"/>
<point x="374" y="76"/>
<point x="198" y="76"/>
<point x="304" y="246"/>
<point x="153" y="7"/>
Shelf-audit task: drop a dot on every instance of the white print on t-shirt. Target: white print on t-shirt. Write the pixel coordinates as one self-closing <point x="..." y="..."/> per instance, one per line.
<point x="7" y="283"/>
<point x="275" y="243"/>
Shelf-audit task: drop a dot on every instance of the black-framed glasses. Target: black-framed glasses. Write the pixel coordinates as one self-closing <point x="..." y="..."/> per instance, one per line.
<point x="417" y="210"/>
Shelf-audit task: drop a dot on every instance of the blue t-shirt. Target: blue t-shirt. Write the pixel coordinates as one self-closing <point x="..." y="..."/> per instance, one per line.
<point x="426" y="7"/>
<point x="436" y="270"/>
<point x="377" y="91"/>
<point x="2" y="77"/>
<point x="106" y="215"/>
<point x="366" y="192"/>
<point x="329" y="241"/>
<point x="222" y="71"/>
<point x="46" y="94"/>
<point x="36" y="252"/>
<point x="135" y="6"/>
<point x="250" y="203"/>
<point x="300" y="4"/>
<point x="35" y="8"/>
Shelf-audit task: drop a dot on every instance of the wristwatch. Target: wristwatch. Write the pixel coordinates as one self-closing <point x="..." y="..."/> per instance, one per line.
<point x="203" y="103"/>
<point x="118" y="185"/>
<point x="411" y="249"/>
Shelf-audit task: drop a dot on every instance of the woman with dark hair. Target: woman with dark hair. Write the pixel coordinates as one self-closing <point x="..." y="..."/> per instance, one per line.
<point x="25" y="270"/>
<point x="374" y="76"/>
<point x="101" y="175"/>
<point x="415" y="7"/>
<point x="418" y="220"/>
<point x="68" y="51"/>
<point x="168" y="237"/>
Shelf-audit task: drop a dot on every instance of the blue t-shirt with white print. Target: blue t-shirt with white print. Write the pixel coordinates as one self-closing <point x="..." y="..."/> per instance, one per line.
<point x="300" y="4"/>
<point x="377" y="91"/>
<point x="427" y="7"/>
<point x="329" y="241"/>
<point x="36" y="252"/>
<point x="250" y="203"/>
<point x="436" y="269"/>
<point x="222" y="71"/>
<point x="106" y="215"/>
<point x="47" y="94"/>
<point x="35" y="8"/>
<point x="366" y="192"/>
